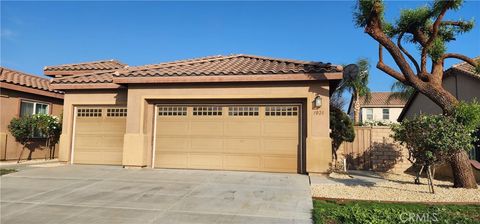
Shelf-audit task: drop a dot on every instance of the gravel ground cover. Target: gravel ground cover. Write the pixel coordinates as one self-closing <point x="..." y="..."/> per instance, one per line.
<point x="395" y="187"/>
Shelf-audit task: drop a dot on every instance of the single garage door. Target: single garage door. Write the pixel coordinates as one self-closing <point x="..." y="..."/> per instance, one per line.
<point x="228" y="137"/>
<point x="99" y="135"/>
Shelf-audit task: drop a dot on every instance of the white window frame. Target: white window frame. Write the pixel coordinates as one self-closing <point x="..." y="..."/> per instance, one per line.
<point x="35" y="103"/>
<point x="366" y="114"/>
<point x="383" y="113"/>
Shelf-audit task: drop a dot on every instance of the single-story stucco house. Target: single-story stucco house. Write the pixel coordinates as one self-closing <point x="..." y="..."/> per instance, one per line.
<point x="236" y="112"/>
<point x="23" y="94"/>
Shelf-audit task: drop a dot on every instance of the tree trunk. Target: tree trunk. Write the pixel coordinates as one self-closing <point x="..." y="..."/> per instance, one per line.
<point x="441" y="97"/>
<point x="356" y="111"/>
<point x="462" y="171"/>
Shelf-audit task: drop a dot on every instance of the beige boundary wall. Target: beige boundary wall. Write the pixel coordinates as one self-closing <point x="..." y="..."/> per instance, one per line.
<point x="141" y="98"/>
<point x="374" y="149"/>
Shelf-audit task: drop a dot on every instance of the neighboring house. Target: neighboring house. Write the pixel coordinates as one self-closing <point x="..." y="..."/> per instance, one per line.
<point x="21" y="95"/>
<point x="461" y="81"/>
<point x="379" y="108"/>
<point x="237" y="112"/>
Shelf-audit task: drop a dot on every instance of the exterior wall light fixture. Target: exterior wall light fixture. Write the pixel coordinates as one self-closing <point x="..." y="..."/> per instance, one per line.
<point x="318" y="101"/>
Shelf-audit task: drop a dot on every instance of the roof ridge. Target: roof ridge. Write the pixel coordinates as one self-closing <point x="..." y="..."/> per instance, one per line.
<point x="177" y="62"/>
<point x="22" y="73"/>
<point x="88" y="62"/>
<point x="83" y="75"/>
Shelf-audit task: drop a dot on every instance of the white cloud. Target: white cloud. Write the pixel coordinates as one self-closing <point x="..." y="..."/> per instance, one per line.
<point x="7" y="33"/>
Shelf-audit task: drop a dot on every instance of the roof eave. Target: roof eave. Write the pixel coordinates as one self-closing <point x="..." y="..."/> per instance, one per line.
<point x="70" y="86"/>
<point x="31" y="90"/>
<point x="232" y="78"/>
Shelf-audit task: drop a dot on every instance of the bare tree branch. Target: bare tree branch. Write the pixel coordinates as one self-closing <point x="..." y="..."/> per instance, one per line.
<point x="387" y="69"/>
<point x="432" y="37"/>
<point x="399" y="43"/>
<point x="459" y="56"/>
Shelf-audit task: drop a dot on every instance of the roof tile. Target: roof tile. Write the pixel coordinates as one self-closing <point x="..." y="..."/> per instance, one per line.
<point x="381" y="98"/>
<point x="207" y="66"/>
<point x="87" y="66"/>
<point x="22" y="79"/>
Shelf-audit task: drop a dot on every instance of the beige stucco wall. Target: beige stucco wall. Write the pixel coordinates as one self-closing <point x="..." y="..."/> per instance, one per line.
<point x="468" y="88"/>
<point x="378" y="113"/>
<point x="137" y="149"/>
<point x="9" y="109"/>
<point x="84" y="97"/>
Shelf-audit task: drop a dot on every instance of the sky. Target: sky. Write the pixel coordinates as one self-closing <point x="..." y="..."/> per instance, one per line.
<point x="37" y="34"/>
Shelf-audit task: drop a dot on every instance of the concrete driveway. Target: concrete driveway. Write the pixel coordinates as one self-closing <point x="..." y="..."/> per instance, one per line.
<point x="109" y="194"/>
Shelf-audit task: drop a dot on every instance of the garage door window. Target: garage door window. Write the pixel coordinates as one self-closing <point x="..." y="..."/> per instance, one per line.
<point x="207" y="111"/>
<point x="243" y="111"/>
<point x="89" y="112"/>
<point x="281" y="111"/>
<point x="116" y="112"/>
<point x="172" y="111"/>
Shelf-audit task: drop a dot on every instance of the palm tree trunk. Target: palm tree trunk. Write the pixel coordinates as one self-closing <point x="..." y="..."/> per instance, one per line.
<point x="356" y="110"/>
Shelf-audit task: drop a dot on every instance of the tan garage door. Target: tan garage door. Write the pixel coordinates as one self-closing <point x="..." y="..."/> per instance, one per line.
<point x="99" y="135"/>
<point x="232" y="137"/>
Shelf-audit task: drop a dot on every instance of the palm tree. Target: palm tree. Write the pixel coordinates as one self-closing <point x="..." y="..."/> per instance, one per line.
<point x="400" y="91"/>
<point x="357" y="85"/>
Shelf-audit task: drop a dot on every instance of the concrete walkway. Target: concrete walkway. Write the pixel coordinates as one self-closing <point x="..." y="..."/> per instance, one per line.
<point x="357" y="178"/>
<point x="108" y="194"/>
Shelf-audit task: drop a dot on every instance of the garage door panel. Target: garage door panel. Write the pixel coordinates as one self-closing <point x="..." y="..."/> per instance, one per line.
<point x="173" y="128"/>
<point x="243" y="145"/>
<point x="172" y="144"/>
<point x="281" y="163"/>
<point x="207" y="144"/>
<point x="229" y="137"/>
<point x="243" y="162"/>
<point x="99" y="135"/>
<point x="280" y="146"/>
<point x="205" y="161"/>
<point x="245" y="128"/>
<point x="172" y="160"/>
<point x="206" y="128"/>
<point x="280" y="129"/>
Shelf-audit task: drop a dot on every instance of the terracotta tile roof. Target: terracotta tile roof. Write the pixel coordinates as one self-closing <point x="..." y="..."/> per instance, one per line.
<point x="228" y="65"/>
<point x="381" y="99"/>
<point x="207" y="66"/>
<point x="26" y="80"/>
<point x="87" y="66"/>
<point x="95" y="77"/>
<point x="467" y="68"/>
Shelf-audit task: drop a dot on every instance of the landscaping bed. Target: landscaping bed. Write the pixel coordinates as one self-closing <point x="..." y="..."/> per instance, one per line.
<point x="378" y="212"/>
<point x="6" y="171"/>
<point x="395" y="188"/>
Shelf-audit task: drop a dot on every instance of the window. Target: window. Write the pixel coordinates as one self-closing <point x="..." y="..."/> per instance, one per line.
<point x="116" y="112"/>
<point x="243" y="111"/>
<point x="28" y="108"/>
<point x="386" y="114"/>
<point x="172" y="111"/>
<point x="369" y="112"/>
<point x="281" y="111"/>
<point x="207" y="111"/>
<point x="89" y="112"/>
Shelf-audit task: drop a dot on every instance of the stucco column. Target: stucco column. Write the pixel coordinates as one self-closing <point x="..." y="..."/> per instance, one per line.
<point x="64" y="144"/>
<point x="319" y="147"/>
<point x="135" y="140"/>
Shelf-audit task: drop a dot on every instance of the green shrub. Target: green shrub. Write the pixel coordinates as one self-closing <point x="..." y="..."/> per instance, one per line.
<point x="341" y="127"/>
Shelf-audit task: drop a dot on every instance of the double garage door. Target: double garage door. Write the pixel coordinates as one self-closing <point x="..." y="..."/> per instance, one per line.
<point x="228" y="137"/>
<point x="221" y="137"/>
